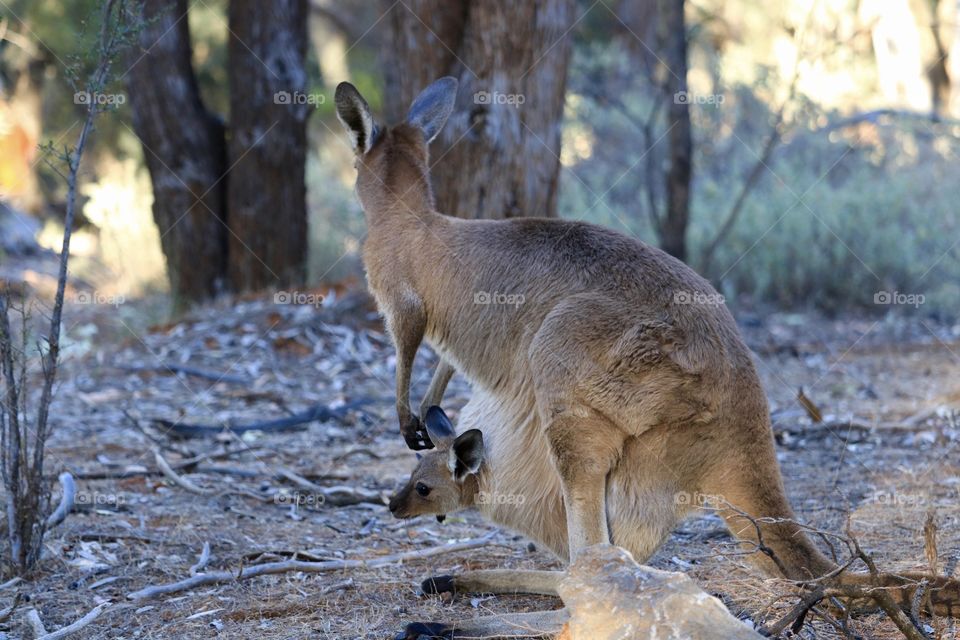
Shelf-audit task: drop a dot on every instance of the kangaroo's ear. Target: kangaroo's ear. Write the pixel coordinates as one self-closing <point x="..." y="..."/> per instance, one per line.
<point x="354" y="113"/>
<point x="433" y="106"/>
<point x="439" y="427"/>
<point x="466" y="454"/>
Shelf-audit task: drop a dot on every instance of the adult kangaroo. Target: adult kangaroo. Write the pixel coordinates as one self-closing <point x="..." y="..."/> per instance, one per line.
<point x="603" y="341"/>
<point x="616" y="360"/>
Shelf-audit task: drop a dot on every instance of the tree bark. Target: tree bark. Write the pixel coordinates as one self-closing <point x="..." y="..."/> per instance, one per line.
<point x="499" y="155"/>
<point x="266" y="196"/>
<point x="184" y="152"/>
<point x="680" y="173"/>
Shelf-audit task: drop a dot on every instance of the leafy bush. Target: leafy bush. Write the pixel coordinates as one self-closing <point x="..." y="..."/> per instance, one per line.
<point x="837" y="217"/>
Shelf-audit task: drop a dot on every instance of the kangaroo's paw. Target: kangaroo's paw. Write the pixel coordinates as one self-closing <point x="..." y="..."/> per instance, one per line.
<point x="436" y="585"/>
<point x="415" y="433"/>
<point x="425" y="631"/>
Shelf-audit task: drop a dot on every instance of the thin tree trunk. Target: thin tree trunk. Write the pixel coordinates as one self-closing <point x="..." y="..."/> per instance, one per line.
<point x="184" y="151"/>
<point x="266" y="196"/>
<point x="679" y="175"/>
<point x="498" y="156"/>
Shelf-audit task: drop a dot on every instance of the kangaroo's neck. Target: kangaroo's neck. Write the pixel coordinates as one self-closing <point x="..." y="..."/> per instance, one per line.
<point x="400" y="194"/>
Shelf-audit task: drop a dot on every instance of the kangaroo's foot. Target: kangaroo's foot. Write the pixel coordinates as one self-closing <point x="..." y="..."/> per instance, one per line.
<point x="539" y="624"/>
<point x="495" y="581"/>
<point x="414" y="432"/>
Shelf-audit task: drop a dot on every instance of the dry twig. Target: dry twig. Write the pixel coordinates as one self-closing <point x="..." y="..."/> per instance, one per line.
<point x="217" y="577"/>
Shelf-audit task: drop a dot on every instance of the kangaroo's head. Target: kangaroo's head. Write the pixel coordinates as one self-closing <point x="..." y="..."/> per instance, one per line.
<point x="445" y="478"/>
<point x="392" y="161"/>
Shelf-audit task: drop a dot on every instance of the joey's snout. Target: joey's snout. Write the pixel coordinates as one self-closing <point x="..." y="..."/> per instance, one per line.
<point x="398" y="501"/>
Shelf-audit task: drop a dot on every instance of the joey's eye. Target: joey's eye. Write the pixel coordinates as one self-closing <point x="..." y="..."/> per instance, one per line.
<point x="422" y="490"/>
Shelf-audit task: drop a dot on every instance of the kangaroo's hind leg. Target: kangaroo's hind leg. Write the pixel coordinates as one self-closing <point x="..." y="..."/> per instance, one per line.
<point x="568" y="355"/>
<point x="540" y="624"/>
<point x="495" y="581"/>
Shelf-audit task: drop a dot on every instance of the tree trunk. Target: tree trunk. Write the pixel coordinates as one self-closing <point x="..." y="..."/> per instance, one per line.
<point x="184" y="151"/>
<point x="499" y="155"/>
<point x="677" y="216"/>
<point x="266" y="195"/>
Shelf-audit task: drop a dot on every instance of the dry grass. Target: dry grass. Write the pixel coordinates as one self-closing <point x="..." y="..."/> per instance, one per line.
<point x="143" y="530"/>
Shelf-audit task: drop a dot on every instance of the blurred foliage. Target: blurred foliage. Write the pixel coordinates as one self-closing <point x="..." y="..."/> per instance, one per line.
<point x="836" y="217"/>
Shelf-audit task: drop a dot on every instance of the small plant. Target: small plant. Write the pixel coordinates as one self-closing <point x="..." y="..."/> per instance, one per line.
<point x="22" y="438"/>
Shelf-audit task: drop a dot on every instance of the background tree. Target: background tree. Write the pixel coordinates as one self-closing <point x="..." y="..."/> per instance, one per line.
<point x="232" y="215"/>
<point x="183" y="146"/>
<point x="501" y="146"/>
<point x="672" y="37"/>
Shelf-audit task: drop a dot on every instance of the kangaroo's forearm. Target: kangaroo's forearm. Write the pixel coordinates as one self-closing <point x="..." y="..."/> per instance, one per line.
<point x="438" y="385"/>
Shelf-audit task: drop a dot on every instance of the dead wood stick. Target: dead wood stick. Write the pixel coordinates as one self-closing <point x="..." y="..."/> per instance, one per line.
<point x="318" y="412"/>
<point x="176" y="478"/>
<point x="6" y="613"/>
<point x="10" y="583"/>
<point x="297" y="479"/>
<point x="216" y="376"/>
<point x="37" y="629"/>
<point x="66" y="501"/>
<point x="797" y="613"/>
<point x="340" y="496"/>
<point x="70" y="629"/>
<point x="270" y="568"/>
<point x="882" y="597"/>
<point x="203" y="561"/>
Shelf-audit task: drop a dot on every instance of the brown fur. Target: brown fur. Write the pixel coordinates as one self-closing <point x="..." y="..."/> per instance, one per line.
<point x="603" y="397"/>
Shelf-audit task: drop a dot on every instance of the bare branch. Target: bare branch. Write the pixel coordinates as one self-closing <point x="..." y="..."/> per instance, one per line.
<point x="271" y="568"/>
<point x="66" y="501"/>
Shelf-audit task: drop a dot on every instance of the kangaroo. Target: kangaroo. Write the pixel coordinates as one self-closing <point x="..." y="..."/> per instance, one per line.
<point x="620" y="365"/>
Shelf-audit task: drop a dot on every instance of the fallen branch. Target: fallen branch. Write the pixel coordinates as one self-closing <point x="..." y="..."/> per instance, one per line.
<point x="795" y="617"/>
<point x="340" y="496"/>
<point x="271" y="568"/>
<point x="70" y="629"/>
<point x="177" y="479"/>
<point x="203" y="561"/>
<point x="882" y="597"/>
<point x="66" y="501"/>
<point x="37" y="629"/>
<point x="7" y="612"/>
<point x="319" y="412"/>
<point x="189" y="371"/>
<point x="11" y="583"/>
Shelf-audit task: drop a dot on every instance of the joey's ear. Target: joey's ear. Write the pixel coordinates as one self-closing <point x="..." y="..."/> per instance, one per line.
<point x="439" y="427"/>
<point x="433" y="106"/>
<point x="354" y="113"/>
<point x="466" y="454"/>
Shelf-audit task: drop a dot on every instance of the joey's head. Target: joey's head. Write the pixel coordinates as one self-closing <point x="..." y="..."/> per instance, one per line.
<point x="392" y="161"/>
<point x="445" y="478"/>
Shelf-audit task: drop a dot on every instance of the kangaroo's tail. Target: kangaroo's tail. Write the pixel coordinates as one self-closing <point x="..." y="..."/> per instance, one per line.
<point x="755" y="507"/>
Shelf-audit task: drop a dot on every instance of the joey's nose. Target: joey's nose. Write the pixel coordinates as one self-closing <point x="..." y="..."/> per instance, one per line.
<point x="394" y="505"/>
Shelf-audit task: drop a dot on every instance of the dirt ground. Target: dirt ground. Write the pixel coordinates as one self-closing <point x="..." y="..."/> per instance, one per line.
<point x="882" y="459"/>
